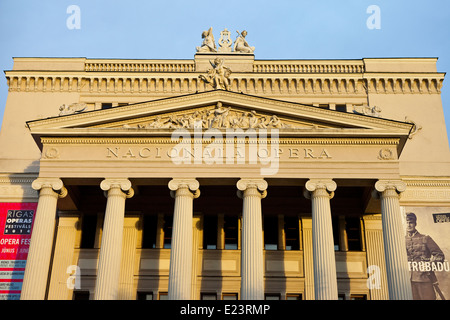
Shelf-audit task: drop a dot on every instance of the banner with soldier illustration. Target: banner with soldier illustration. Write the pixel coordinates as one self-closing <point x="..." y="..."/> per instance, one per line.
<point x="427" y="239"/>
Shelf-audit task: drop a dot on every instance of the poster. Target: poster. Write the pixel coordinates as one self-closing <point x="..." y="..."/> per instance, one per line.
<point x="427" y="238"/>
<point x="16" y="222"/>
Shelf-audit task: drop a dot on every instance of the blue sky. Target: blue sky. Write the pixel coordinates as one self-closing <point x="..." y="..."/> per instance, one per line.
<point x="282" y="29"/>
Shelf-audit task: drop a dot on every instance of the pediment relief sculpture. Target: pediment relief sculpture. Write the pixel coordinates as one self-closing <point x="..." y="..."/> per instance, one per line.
<point x="72" y="108"/>
<point x="219" y="117"/>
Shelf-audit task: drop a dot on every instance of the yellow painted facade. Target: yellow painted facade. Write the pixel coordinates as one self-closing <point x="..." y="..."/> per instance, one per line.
<point x="322" y="153"/>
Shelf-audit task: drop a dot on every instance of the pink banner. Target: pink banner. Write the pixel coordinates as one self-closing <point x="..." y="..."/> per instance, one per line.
<point x="16" y="223"/>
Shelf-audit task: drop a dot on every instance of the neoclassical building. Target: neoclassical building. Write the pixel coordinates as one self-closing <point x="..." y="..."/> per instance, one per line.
<point x="220" y="177"/>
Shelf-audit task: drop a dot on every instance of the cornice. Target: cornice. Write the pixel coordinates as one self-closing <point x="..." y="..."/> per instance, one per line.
<point x="289" y="109"/>
<point x="170" y="81"/>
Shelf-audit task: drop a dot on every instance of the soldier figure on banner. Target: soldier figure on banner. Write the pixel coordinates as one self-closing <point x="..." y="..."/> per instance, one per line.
<point x="423" y="255"/>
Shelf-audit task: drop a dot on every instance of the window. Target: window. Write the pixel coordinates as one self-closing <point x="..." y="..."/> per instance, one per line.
<point x="353" y="229"/>
<point x="168" y="220"/>
<point x="341" y="108"/>
<point x="163" y="296"/>
<point x="349" y="229"/>
<point x="336" y="232"/>
<point x="145" y="295"/>
<point x="272" y="296"/>
<point x="291" y="233"/>
<point x="208" y="296"/>
<point x="210" y="232"/>
<point x="149" y="231"/>
<point x="88" y="231"/>
<point x="293" y="296"/>
<point x="271" y="232"/>
<point x="80" y="295"/>
<point x="106" y="106"/>
<point x="229" y="296"/>
<point x="231" y="230"/>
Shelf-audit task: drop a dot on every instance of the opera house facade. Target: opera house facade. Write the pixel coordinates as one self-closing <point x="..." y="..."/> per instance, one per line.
<point x="224" y="177"/>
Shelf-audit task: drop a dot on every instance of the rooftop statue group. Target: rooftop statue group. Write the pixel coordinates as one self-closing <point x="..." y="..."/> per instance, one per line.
<point x="225" y="43"/>
<point x="219" y="75"/>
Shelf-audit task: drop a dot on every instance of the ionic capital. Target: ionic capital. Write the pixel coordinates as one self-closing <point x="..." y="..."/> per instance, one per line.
<point x="326" y="186"/>
<point x="191" y="185"/>
<point x="123" y="184"/>
<point x="247" y="186"/>
<point x="387" y="187"/>
<point x="55" y="184"/>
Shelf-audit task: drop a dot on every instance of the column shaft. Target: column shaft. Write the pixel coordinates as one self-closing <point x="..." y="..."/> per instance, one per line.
<point x="38" y="262"/>
<point x="252" y="259"/>
<point x="325" y="279"/>
<point x="108" y="270"/>
<point x="180" y="270"/>
<point x="394" y="243"/>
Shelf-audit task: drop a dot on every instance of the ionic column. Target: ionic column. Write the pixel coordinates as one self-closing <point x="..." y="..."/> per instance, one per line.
<point x="325" y="280"/>
<point x="180" y="271"/>
<point x="398" y="275"/>
<point x="252" y="260"/>
<point x="109" y="261"/>
<point x="40" y="251"/>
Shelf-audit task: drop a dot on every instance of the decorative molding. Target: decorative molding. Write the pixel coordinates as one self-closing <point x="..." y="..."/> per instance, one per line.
<point x="386" y="154"/>
<point x="172" y="81"/>
<point x="16" y="188"/>
<point x="168" y="140"/>
<point x="415" y="129"/>
<point x="51" y="153"/>
<point x="420" y="191"/>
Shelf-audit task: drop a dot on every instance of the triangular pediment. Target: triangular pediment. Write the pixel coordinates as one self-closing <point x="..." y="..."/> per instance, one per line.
<point x="221" y="110"/>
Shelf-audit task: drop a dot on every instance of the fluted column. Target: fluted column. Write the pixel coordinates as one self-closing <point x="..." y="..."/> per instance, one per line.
<point x="398" y="275"/>
<point x="180" y="271"/>
<point x="40" y="251"/>
<point x="252" y="260"/>
<point x="325" y="280"/>
<point x="109" y="261"/>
